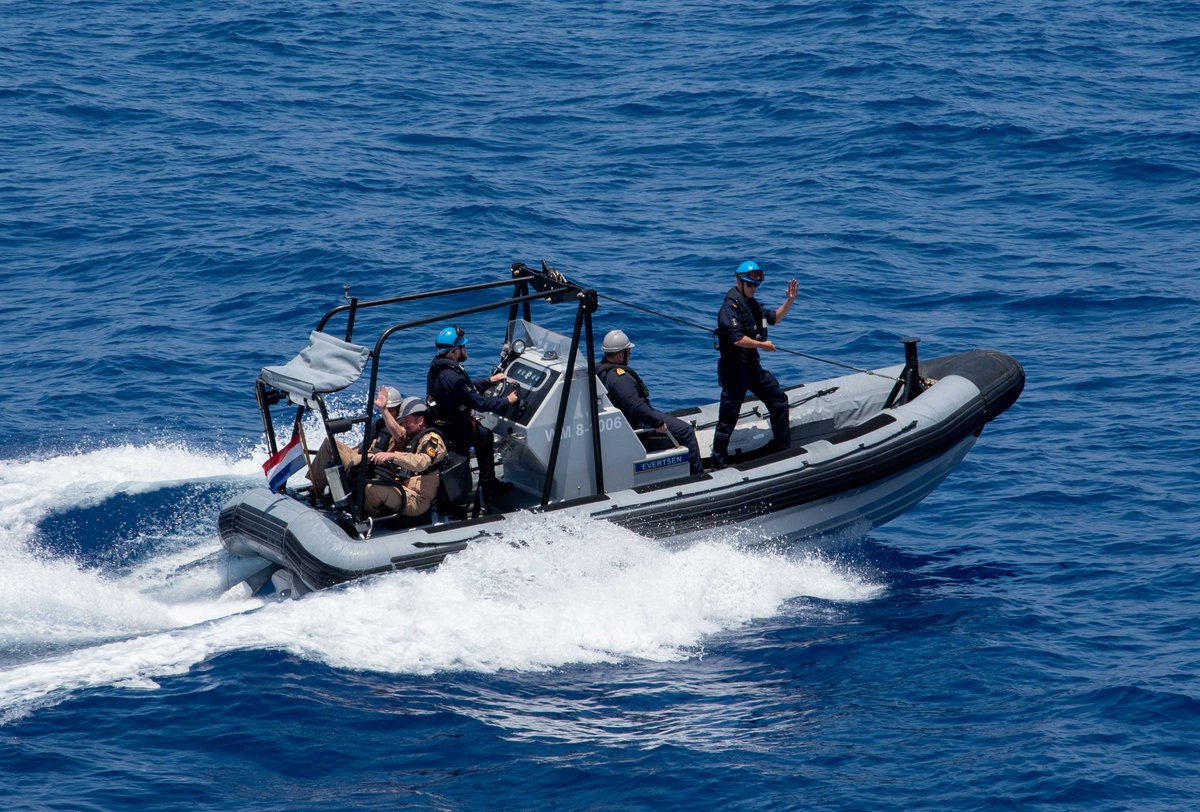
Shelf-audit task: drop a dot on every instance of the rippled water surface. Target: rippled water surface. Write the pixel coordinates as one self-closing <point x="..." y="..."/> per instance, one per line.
<point x="186" y="187"/>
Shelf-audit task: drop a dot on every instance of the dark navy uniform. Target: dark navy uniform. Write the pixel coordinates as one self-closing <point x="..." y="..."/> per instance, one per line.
<point x="628" y="392"/>
<point x="740" y="370"/>
<point x="453" y="395"/>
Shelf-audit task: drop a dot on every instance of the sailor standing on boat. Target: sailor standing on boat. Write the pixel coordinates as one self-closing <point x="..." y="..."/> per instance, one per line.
<point x="627" y="391"/>
<point x="453" y="395"/>
<point x="741" y="334"/>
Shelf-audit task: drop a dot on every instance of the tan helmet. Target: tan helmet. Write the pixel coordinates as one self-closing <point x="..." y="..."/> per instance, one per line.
<point x="615" y="341"/>
<point x="394" y="398"/>
<point x="413" y="405"/>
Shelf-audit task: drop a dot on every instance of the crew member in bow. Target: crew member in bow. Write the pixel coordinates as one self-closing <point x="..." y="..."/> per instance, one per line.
<point x="741" y="335"/>
<point x="453" y="395"/>
<point x="627" y="391"/>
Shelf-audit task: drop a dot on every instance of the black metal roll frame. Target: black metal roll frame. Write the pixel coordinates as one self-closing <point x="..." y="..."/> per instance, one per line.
<point x="547" y="284"/>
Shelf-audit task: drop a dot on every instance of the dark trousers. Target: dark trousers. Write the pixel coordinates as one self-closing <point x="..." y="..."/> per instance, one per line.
<point x="685" y="435"/>
<point x="485" y="449"/>
<point x="485" y="453"/>
<point x="736" y="379"/>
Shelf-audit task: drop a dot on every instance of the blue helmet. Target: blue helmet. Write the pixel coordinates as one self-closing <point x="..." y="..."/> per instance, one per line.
<point x="451" y="337"/>
<point x="750" y="273"/>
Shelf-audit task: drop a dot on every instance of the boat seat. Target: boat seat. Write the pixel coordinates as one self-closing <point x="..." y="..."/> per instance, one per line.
<point x="652" y="440"/>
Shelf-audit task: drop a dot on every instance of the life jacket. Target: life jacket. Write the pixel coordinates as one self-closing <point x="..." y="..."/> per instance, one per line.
<point x="390" y="473"/>
<point x="750" y="316"/>
<point x="454" y="422"/>
<point x="382" y="436"/>
<point x="454" y="485"/>
<point x="436" y="367"/>
<point x="415" y="443"/>
<point x="606" y="371"/>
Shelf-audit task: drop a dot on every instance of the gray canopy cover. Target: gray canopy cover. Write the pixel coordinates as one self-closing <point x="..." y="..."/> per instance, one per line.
<point x="327" y="364"/>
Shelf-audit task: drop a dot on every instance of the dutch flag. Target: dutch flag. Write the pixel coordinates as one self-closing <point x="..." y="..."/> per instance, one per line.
<point x="283" y="464"/>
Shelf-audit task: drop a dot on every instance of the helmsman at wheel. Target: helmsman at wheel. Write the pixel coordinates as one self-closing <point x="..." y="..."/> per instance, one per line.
<point x="454" y="395"/>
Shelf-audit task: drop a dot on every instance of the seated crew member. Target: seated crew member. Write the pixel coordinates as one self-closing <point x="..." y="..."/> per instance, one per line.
<point x="453" y="395"/>
<point x="404" y="465"/>
<point x="741" y="334"/>
<point x="628" y="393"/>
<point x="387" y="428"/>
<point x="414" y="467"/>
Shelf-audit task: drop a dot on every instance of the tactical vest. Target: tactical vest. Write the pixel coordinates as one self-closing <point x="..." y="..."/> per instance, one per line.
<point x="391" y="473"/>
<point x="609" y="371"/>
<point x="435" y="370"/>
<point x="750" y="316"/>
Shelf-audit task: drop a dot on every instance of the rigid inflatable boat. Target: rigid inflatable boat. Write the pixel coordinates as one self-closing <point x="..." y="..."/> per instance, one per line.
<point x="865" y="448"/>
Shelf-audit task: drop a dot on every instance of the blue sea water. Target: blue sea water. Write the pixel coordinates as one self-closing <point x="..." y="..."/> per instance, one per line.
<point x="185" y="187"/>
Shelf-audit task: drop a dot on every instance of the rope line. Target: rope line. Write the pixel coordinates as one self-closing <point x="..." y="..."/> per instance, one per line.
<point x="709" y="331"/>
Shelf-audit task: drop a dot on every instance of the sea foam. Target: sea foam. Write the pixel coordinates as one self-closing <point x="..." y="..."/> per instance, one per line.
<point x="545" y="592"/>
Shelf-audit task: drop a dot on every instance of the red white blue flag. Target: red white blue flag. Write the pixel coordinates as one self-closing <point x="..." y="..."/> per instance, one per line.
<point x="283" y="464"/>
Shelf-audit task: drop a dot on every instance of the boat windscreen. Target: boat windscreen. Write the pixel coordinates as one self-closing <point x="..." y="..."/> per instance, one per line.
<point x="326" y="365"/>
<point x="547" y="340"/>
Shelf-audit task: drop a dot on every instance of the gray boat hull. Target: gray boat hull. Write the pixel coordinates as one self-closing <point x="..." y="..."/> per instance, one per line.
<point x="854" y="465"/>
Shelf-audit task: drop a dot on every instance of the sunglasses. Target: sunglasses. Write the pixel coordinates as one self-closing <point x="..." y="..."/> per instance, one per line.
<point x="460" y="337"/>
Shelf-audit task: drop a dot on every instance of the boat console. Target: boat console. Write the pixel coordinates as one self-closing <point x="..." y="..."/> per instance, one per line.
<point x="536" y="364"/>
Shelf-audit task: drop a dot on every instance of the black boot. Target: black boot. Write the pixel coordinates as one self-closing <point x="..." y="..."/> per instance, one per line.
<point x="496" y="487"/>
<point x="489" y="491"/>
<point x="720" y="449"/>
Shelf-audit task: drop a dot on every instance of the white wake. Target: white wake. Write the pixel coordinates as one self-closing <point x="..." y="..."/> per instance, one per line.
<point x="547" y="592"/>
